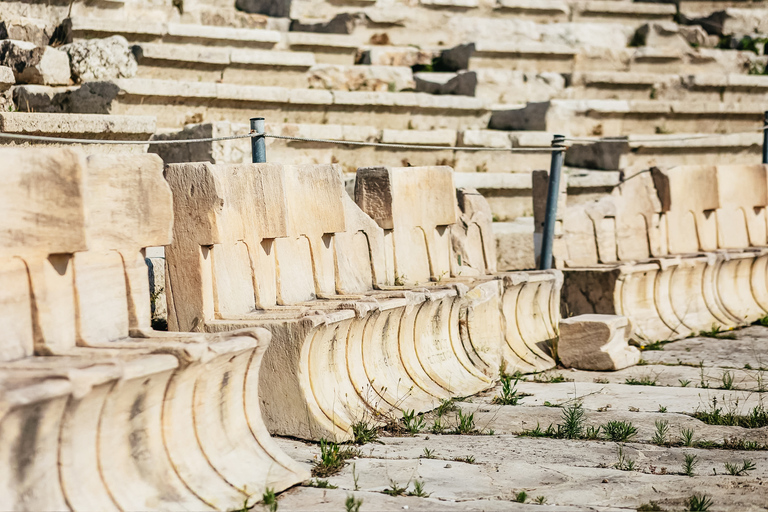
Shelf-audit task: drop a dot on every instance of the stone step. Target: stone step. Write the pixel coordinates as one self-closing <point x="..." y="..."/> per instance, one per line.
<point x="80" y="126"/>
<point x="727" y="88"/>
<point x="569" y="58"/>
<point x="644" y="151"/>
<point x="176" y="103"/>
<point x="583" y="118"/>
<point x="327" y="48"/>
<point x="168" y="61"/>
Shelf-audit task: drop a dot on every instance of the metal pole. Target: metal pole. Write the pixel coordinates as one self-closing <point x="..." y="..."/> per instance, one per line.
<point x="258" y="145"/>
<point x="553" y="191"/>
<point x="765" y="139"/>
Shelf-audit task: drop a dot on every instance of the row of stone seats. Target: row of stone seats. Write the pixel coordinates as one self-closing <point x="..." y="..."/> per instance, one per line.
<point x="97" y="410"/>
<point x="677" y="251"/>
<point x="378" y="306"/>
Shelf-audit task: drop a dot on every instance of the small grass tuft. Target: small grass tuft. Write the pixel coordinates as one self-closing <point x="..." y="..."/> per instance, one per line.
<point x="717" y="333"/>
<point x="662" y="408"/>
<point x="662" y="430"/>
<point x="509" y="394"/>
<point x="756" y="418"/>
<point x="469" y="459"/>
<point x="686" y="436"/>
<point x="428" y="454"/>
<point x="412" y="422"/>
<point x="727" y="379"/>
<point x="684" y="382"/>
<point x="743" y="470"/>
<point x="689" y="464"/>
<point x="624" y="463"/>
<point x="364" y="433"/>
<point x="269" y="500"/>
<point x="540" y="500"/>
<point x="465" y="423"/>
<point x="573" y="421"/>
<point x="395" y="489"/>
<point x="352" y="504"/>
<point x="418" y="490"/>
<point x="645" y="380"/>
<point x="332" y="458"/>
<point x="619" y="431"/>
<point x="320" y="484"/>
<point x="446" y="406"/>
<point x="521" y="497"/>
<point x="699" y="503"/>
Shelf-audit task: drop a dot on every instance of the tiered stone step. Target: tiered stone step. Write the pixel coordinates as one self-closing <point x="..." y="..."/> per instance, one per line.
<point x="80" y="126"/>
<point x="581" y="118"/>
<point x="566" y="58"/>
<point x="177" y="103"/>
<point x="727" y="88"/>
<point x="327" y="48"/>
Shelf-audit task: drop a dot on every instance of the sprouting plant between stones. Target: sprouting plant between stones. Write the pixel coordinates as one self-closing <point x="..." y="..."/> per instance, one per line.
<point x="736" y="470"/>
<point x="727" y="379"/>
<point x="469" y="459"/>
<point x="269" y="500"/>
<point x="645" y="380"/>
<point x="364" y="433"/>
<point x="418" y="490"/>
<point x="662" y="408"/>
<point x="395" y="489"/>
<point x="332" y="458"/>
<point x="509" y="394"/>
<point x="689" y="464"/>
<point x="684" y="382"/>
<point x="320" y="484"/>
<point x="428" y="454"/>
<point x="619" y="431"/>
<point x="624" y="463"/>
<point x="686" y="436"/>
<point x="521" y="497"/>
<point x="465" y="423"/>
<point x="540" y="500"/>
<point x="445" y="407"/>
<point x="412" y="422"/>
<point x="352" y="504"/>
<point x="573" y="421"/>
<point x="662" y="431"/>
<point x="699" y="503"/>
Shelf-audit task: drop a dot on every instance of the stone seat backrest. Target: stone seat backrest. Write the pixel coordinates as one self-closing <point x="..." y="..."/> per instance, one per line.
<point x="128" y="208"/>
<point x="41" y="207"/>
<point x="689" y="198"/>
<point x="415" y="207"/>
<point x="249" y="238"/>
<point x="743" y="194"/>
<point x="85" y="224"/>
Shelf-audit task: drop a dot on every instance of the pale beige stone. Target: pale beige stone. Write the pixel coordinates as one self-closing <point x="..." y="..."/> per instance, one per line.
<point x="743" y="195"/>
<point x="35" y="65"/>
<point x="596" y="342"/>
<point x="418" y="211"/>
<point x="113" y="452"/>
<point x="689" y="198"/>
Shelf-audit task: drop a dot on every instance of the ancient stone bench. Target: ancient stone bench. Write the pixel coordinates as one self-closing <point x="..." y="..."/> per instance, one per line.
<point x="284" y="247"/>
<point x="677" y="251"/>
<point x="125" y="420"/>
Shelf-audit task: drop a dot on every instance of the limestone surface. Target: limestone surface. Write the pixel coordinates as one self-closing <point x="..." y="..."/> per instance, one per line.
<point x="34" y="64"/>
<point x="101" y="59"/>
<point x="596" y="342"/>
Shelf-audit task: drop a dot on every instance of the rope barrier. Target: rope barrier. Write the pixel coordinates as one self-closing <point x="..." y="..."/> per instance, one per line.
<point x="43" y="138"/>
<point x="541" y="149"/>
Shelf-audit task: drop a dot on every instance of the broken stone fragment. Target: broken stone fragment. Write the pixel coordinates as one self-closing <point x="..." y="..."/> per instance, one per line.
<point x="32" y="64"/>
<point x="460" y="84"/>
<point x="101" y="59"/>
<point x="32" y="30"/>
<point x="6" y="78"/>
<point x="596" y="342"/>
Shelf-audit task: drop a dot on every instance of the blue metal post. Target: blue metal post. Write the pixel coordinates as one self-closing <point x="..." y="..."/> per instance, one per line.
<point x="553" y="190"/>
<point x="258" y="144"/>
<point x="765" y="139"/>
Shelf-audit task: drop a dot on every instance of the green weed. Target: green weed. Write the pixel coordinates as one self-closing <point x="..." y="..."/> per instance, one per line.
<point x="332" y="458"/>
<point x="624" y="463"/>
<point x="521" y="497"/>
<point x="743" y="470"/>
<point x="699" y="503"/>
<point x="418" y="490"/>
<point x="364" y="433"/>
<point x="412" y="422"/>
<point x="352" y="504"/>
<point x="269" y="500"/>
<point x="509" y="394"/>
<point x="619" y="431"/>
<point x="395" y="489"/>
<point x="686" y="436"/>
<point x="428" y="454"/>
<point x="465" y="423"/>
<point x="689" y="464"/>
<point x="662" y="429"/>
<point x="320" y="484"/>
<point x="645" y="380"/>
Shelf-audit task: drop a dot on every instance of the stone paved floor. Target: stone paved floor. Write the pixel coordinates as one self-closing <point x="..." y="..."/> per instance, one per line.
<point x="689" y="377"/>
